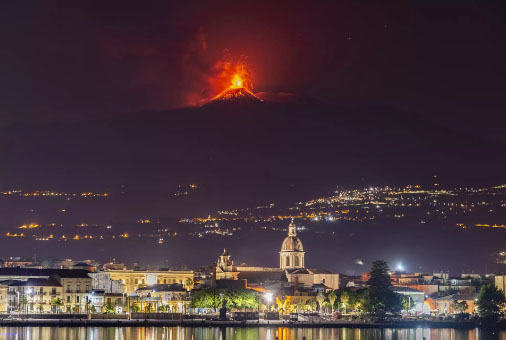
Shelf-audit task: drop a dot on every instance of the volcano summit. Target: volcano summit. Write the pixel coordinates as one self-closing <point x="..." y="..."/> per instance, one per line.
<point x="237" y="92"/>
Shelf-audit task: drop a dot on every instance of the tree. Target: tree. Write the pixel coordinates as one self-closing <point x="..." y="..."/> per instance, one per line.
<point x="332" y="296"/>
<point x="356" y="299"/>
<point x="326" y="306"/>
<point x="459" y="307"/>
<point x="490" y="301"/>
<point x="23" y="302"/>
<point x="206" y="298"/>
<point x="320" y="298"/>
<point x="299" y="306"/>
<point x="284" y="304"/>
<point x="379" y="275"/>
<point x="58" y="302"/>
<point x="88" y="306"/>
<point x="311" y="304"/>
<point x="345" y="298"/>
<point x="189" y="283"/>
<point x="134" y="308"/>
<point x="378" y="299"/>
<point x="406" y="303"/>
<point x="234" y="298"/>
<point x="109" y="309"/>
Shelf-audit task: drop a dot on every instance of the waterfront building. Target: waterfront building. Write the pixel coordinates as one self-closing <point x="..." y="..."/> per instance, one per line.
<point x="102" y="281"/>
<point x="444" y="305"/>
<point x="415" y="297"/>
<point x="439" y="284"/>
<point x="500" y="283"/>
<point x="97" y="300"/>
<point x="3" y="298"/>
<point x="173" y="297"/>
<point x="76" y="289"/>
<point x="34" y="295"/>
<point x="135" y="279"/>
<point x="291" y="269"/>
<point x="75" y="285"/>
<point x="118" y="301"/>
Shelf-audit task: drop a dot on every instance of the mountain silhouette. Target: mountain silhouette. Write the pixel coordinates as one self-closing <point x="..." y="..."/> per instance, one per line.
<point x="247" y="150"/>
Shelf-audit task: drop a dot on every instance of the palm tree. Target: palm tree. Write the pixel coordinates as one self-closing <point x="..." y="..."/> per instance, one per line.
<point x="311" y="304"/>
<point x="58" y="302"/>
<point x="300" y="306"/>
<point x="87" y="306"/>
<point x="23" y="301"/>
<point x="345" y="298"/>
<point x="320" y="298"/>
<point x="332" y="299"/>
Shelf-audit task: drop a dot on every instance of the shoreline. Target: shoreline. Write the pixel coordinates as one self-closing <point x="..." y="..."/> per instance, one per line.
<point x="207" y="323"/>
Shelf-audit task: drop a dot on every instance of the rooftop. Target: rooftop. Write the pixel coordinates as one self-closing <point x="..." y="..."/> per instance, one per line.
<point x="36" y="283"/>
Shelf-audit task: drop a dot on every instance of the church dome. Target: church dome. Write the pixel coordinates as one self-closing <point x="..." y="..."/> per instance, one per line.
<point x="292" y="243"/>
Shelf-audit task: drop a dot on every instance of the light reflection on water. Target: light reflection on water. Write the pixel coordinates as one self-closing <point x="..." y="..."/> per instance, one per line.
<point x="262" y="333"/>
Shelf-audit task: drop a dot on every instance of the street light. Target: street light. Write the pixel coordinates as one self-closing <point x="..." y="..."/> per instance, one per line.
<point x="268" y="297"/>
<point x="29" y="292"/>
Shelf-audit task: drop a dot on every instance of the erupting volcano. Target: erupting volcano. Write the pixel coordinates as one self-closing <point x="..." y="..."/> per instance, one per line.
<point x="238" y="84"/>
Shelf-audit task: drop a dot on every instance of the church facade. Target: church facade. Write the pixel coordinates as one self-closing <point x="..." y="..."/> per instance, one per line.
<point x="292" y="268"/>
<point x="291" y="255"/>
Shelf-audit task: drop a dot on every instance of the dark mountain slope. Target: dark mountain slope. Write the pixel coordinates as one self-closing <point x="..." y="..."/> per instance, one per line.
<point x="241" y="151"/>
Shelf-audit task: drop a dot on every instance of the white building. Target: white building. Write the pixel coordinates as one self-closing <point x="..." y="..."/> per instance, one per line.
<point x="103" y="281"/>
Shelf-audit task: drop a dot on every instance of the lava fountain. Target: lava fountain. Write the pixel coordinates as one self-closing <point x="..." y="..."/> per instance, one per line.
<point x="235" y="81"/>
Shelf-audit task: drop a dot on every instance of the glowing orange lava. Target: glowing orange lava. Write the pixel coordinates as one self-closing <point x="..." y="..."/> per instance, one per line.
<point x="233" y="81"/>
<point x="236" y="82"/>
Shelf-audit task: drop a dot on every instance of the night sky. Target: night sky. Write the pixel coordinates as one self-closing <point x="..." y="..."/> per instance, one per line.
<point x="69" y="61"/>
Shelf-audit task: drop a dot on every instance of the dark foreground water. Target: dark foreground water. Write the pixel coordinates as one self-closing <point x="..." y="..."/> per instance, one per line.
<point x="187" y="333"/>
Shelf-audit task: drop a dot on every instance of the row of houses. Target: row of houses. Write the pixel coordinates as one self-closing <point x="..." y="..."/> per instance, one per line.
<point x="36" y="290"/>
